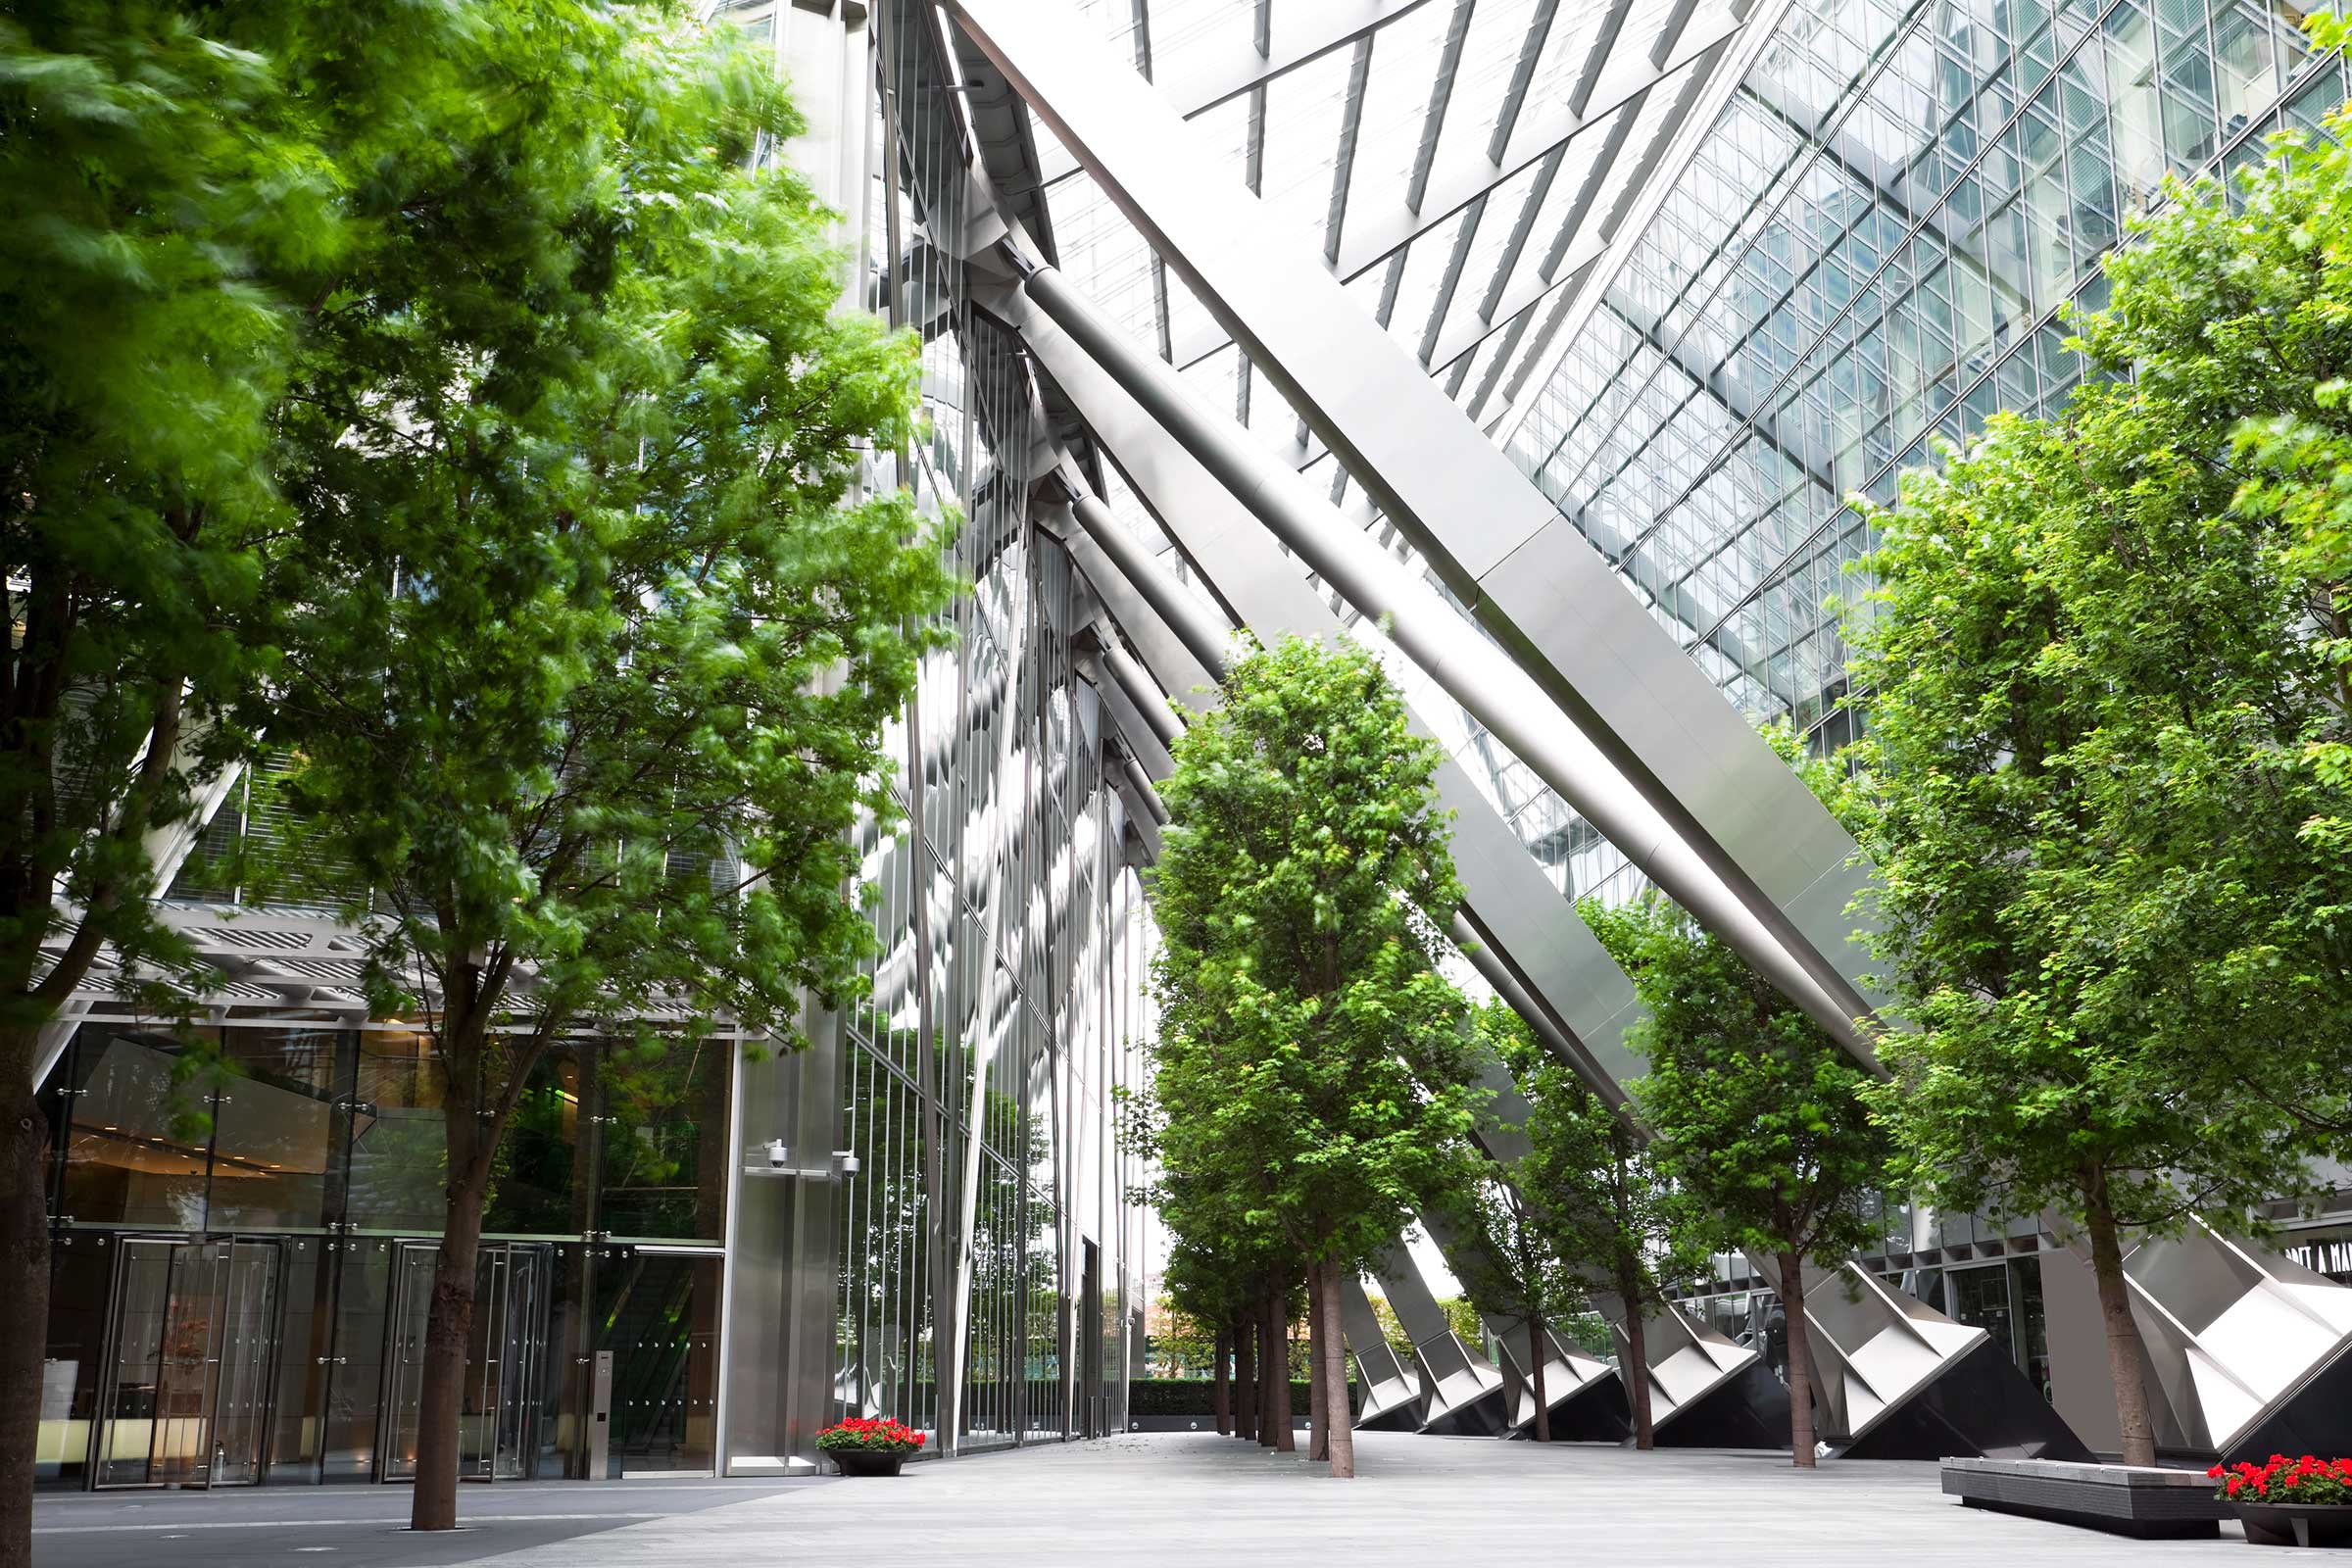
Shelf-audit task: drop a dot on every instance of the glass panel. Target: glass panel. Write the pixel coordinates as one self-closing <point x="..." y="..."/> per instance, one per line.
<point x="505" y="1358"/>
<point x="658" y="1313"/>
<point x="187" y="1378"/>
<point x="273" y="1126"/>
<point x="397" y="1140"/>
<point x="656" y="1103"/>
<point x="137" y="1155"/>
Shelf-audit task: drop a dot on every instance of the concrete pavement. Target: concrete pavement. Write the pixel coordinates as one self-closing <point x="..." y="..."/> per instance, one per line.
<point x="358" y="1526"/>
<point x="1177" y="1500"/>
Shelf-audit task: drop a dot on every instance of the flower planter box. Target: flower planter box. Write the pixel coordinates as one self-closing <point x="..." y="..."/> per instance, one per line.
<point x="868" y="1445"/>
<point x="2145" y="1503"/>
<point x="2289" y="1502"/>
<point x="2295" y="1524"/>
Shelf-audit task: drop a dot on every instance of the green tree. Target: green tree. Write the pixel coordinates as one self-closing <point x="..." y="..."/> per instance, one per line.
<point x="2105" y="677"/>
<point x="1504" y="1253"/>
<point x="1755" y="1114"/>
<point x="595" y="658"/>
<point x="1311" y="1052"/>
<point x="160" y="181"/>
<point x="1607" y="1207"/>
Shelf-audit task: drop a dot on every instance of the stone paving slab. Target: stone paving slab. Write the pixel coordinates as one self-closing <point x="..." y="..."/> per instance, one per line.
<point x="1183" y="1499"/>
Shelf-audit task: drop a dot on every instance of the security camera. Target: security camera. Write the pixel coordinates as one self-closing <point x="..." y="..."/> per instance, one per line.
<point x="845" y="1162"/>
<point x="779" y="1156"/>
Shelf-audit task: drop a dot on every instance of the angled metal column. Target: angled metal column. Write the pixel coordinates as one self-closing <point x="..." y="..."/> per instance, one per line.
<point x="1497" y="542"/>
<point x="167" y="849"/>
<point x="1392" y="1396"/>
<point x="1461" y="1391"/>
<point x="1586" y="1399"/>
<point x="1581" y="1391"/>
<point x="1476" y="673"/>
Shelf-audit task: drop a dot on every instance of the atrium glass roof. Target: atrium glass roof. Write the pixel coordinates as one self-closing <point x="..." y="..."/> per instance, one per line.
<point x="1455" y="161"/>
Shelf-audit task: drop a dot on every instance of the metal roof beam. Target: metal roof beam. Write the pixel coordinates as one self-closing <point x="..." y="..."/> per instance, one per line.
<point x="1371" y="244"/>
<point x="1514" y="97"/>
<point x="1343" y="168"/>
<point x="1309" y="30"/>
<point x="1441" y="94"/>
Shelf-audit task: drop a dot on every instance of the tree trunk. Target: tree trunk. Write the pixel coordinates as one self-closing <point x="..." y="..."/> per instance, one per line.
<point x="1245" y="1379"/>
<point x="2126" y="1356"/>
<point x="24" y="1287"/>
<point x="1800" y="1360"/>
<point x="1339" y="1422"/>
<point x="1633" y="1368"/>
<point x="1224" y="1390"/>
<point x="1318" y="1406"/>
<point x="448" y="1318"/>
<point x="1537" y="1352"/>
<point x="1278" y="1380"/>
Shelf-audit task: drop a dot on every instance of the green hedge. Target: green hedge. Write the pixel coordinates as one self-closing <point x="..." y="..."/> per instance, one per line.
<point x="1197" y="1397"/>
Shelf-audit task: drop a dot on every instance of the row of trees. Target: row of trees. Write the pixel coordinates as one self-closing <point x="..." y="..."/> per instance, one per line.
<point x="1311" y="1069"/>
<point x="1310" y="1095"/>
<point x="453" y="401"/>
<point x="2106" y="692"/>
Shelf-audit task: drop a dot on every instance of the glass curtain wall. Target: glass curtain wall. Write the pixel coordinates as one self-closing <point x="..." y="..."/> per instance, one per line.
<point x="978" y="1072"/>
<point x="1869" y="250"/>
<point x="243" y="1254"/>
<point x="243" y="1251"/>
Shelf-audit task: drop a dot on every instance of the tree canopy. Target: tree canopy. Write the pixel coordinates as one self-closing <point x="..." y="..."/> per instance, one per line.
<point x="1309" y="1071"/>
<point x="1755" y="1111"/>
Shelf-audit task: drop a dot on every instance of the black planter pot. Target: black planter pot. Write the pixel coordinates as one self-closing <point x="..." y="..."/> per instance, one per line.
<point x="2295" y="1524"/>
<point x="860" y="1463"/>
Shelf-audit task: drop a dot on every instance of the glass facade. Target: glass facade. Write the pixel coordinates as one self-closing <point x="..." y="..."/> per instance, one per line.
<point x="1700" y="270"/>
<point x="1870" y="249"/>
<point x="243" y="1257"/>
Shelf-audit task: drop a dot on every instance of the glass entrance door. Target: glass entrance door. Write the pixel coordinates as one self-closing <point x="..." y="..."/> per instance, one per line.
<point x="504" y="1356"/>
<point x="185" y="1385"/>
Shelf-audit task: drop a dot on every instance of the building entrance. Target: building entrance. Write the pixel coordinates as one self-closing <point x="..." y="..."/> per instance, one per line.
<point x="186" y="1382"/>
<point x="499" y="1406"/>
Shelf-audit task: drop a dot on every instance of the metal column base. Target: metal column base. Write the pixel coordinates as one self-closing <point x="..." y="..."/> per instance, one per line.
<point x="2253" y="1351"/>
<point x="1748" y="1410"/>
<point x="1980" y="1406"/>
<point x="1895" y="1379"/>
<point x="1392" y="1397"/>
<point x="1463" y="1394"/>
<point x="1586" y="1400"/>
<point x="1704" y="1390"/>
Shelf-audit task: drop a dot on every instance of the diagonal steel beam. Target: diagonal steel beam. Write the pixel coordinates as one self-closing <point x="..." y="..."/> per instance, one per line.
<point x="1588" y="75"/>
<point x="1359" y="253"/>
<point x="1628" y="729"/>
<point x="1523" y="74"/>
<point x="1439" y="307"/>
<point x="1343" y="168"/>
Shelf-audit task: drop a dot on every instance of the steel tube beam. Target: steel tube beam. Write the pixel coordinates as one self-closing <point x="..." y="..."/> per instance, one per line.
<point x="1497" y="542"/>
<point x="1204" y="635"/>
<point x="1476" y="673"/>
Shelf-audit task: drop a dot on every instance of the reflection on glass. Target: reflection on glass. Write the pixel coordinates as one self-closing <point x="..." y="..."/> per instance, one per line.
<point x="658" y="1099"/>
<point x="272" y="1138"/>
<point x="137" y="1155"/>
<point x="184" y="1387"/>
<point x="658" y="1313"/>
<point x="399" y="1148"/>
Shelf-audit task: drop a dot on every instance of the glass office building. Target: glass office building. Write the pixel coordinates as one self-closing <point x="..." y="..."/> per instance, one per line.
<point x="1693" y="271"/>
<point x="239" y="1296"/>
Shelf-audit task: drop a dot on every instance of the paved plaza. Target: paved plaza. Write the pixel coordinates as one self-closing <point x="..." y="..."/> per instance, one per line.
<point x="1173" y="1499"/>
